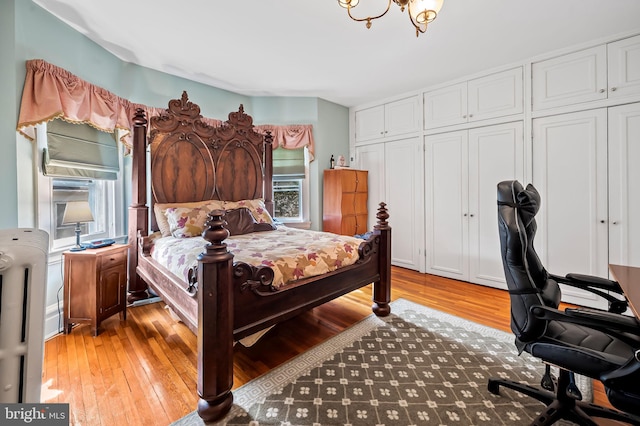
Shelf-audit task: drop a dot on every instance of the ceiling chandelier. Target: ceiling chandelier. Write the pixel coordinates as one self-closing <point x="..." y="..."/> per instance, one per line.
<point x="421" y="12"/>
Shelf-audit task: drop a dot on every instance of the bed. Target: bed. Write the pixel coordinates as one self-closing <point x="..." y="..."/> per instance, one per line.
<point x="221" y="299"/>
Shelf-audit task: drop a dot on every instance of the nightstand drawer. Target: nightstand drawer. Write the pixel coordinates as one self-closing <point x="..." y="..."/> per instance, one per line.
<point x="112" y="259"/>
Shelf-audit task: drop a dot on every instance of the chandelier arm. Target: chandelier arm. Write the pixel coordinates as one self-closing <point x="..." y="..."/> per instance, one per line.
<point x="417" y="26"/>
<point x="368" y="18"/>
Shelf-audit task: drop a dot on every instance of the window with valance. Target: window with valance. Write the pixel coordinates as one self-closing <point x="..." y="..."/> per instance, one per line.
<point x="52" y="92"/>
<point x="86" y="156"/>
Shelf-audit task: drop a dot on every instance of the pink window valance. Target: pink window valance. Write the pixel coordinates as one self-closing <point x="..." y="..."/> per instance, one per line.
<point x="292" y="136"/>
<point x="52" y="92"/>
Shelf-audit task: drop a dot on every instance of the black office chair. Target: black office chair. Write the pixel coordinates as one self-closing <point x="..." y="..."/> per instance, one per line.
<point x="598" y="344"/>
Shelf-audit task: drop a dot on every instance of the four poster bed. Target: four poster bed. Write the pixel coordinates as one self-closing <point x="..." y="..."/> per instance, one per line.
<point x="219" y="171"/>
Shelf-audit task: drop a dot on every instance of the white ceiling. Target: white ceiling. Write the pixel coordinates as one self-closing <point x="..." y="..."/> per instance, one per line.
<point x="312" y="48"/>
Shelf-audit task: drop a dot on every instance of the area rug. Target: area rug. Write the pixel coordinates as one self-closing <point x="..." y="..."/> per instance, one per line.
<point x="417" y="366"/>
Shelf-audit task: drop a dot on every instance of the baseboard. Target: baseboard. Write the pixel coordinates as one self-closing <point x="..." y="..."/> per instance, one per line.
<point x="52" y="321"/>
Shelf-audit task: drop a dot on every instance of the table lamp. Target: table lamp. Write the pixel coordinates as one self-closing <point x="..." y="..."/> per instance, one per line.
<point x="77" y="212"/>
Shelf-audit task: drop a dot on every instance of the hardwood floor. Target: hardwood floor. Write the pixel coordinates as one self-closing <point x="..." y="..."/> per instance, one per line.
<point x="143" y="371"/>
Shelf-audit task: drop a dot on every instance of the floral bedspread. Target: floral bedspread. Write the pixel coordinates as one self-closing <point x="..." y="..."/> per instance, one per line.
<point x="291" y="253"/>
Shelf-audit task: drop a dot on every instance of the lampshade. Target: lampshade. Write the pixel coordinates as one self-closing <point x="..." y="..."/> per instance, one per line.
<point x="348" y="3"/>
<point x="422" y="12"/>
<point x="76" y="212"/>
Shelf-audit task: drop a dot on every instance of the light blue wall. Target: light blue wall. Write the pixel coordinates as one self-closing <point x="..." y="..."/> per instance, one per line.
<point x="8" y="115"/>
<point x="330" y="132"/>
<point x="334" y="140"/>
<point x="57" y="43"/>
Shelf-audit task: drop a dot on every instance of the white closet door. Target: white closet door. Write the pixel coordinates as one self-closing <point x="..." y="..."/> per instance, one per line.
<point x="404" y="189"/>
<point x="570" y="172"/>
<point x="369" y="123"/>
<point x="446" y="106"/>
<point x="446" y="192"/>
<point x="570" y="79"/>
<point x="371" y="158"/>
<point x="496" y="153"/>
<point x="624" y="67"/>
<point x="624" y="177"/>
<point x="402" y="117"/>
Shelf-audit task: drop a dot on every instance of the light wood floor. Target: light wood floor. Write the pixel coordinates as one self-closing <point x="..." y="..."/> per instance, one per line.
<point x="143" y="371"/>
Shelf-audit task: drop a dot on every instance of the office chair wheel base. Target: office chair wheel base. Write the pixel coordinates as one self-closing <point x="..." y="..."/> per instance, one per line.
<point x="562" y="405"/>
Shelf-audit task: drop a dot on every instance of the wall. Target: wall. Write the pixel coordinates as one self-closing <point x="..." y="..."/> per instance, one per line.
<point x="8" y="114"/>
<point x="330" y="123"/>
<point x="334" y="118"/>
<point x="60" y="45"/>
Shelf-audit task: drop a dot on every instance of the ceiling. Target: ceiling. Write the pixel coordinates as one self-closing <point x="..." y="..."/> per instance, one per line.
<point x="312" y="48"/>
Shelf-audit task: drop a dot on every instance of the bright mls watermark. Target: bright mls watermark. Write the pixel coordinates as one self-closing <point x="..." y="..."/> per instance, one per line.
<point x="34" y="414"/>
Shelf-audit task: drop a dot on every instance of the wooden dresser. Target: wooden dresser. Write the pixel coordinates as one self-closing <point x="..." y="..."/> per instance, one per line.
<point x="344" y="208"/>
<point x="95" y="285"/>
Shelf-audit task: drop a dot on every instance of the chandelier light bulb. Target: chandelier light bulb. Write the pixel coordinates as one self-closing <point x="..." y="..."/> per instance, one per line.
<point x="348" y="3"/>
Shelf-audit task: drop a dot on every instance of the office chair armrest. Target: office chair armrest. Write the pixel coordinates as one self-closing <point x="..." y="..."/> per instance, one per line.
<point x="586" y="281"/>
<point x="605" y="321"/>
<point x="598" y="286"/>
<point x="625" y="377"/>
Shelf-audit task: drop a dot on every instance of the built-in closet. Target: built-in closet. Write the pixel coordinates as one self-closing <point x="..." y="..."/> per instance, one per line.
<point x="567" y="121"/>
<point x="586" y="148"/>
<point x="462" y="170"/>
<point x="396" y="177"/>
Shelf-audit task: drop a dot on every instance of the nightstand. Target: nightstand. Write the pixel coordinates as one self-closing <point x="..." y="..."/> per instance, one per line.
<point x="95" y="286"/>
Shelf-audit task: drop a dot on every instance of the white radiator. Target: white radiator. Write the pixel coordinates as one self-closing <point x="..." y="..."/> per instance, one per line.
<point x="23" y="284"/>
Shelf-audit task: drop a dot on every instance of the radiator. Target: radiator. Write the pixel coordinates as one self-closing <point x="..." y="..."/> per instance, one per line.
<point x="23" y="284"/>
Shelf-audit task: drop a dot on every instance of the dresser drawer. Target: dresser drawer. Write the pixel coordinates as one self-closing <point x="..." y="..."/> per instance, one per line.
<point x="113" y="259"/>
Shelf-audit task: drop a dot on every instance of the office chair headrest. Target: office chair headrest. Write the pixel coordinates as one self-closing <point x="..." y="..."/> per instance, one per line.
<point x="511" y="193"/>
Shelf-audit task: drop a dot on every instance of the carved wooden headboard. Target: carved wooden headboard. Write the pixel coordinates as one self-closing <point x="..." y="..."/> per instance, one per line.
<point x="194" y="161"/>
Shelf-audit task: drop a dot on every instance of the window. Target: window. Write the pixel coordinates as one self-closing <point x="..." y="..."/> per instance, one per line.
<point x="78" y="163"/>
<point x="287" y="198"/>
<point x="95" y="192"/>
<point x="291" y="185"/>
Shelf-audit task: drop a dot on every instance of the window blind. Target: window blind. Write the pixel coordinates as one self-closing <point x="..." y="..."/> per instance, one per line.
<point x="80" y="151"/>
<point x="289" y="162"/>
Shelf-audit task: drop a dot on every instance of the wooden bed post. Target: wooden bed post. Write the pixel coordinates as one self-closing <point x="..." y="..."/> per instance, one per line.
<point x="215" y="323"/>
<point x="268" y="172"/>
<point x="382" y="289"/>
<point x="138" y="211"/>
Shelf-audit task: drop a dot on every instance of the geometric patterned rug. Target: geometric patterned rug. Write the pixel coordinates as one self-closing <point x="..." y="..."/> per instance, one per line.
<point x="417" y="366"/>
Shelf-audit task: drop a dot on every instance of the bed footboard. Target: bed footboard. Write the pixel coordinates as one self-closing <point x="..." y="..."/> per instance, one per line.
<point x="216" y="307"/>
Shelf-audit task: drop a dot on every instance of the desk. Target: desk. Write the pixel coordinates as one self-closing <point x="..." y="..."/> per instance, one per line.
<point x="629" y="279"/>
